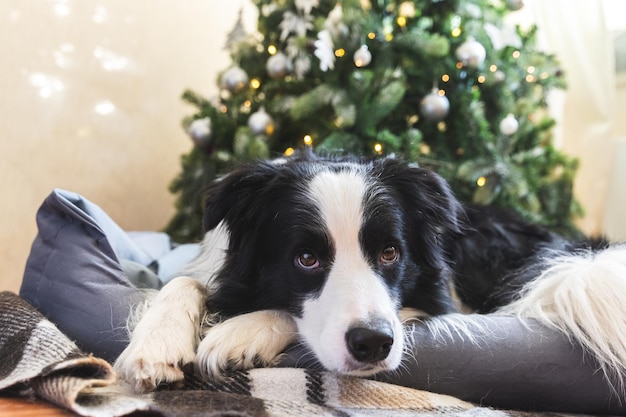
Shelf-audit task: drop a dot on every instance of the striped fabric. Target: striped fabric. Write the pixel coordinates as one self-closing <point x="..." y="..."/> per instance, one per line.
<point x="37" y="360"/>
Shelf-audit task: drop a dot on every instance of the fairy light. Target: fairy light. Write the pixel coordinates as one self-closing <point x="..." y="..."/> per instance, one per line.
<point x="413" y="119"/>
<point x="401" y="21"/>
<point x="456" y="32"/>
<point x="445" y="78"/>
<point x="530" y="78"/>
<point x="493" y="68"/>
<point x="481" y="181"/>
<point x="459" y="65"/>
<point x="481" y="79"/>
<point x="247" y="103"/>
<point x="371" y="36"/>
<point x="441" y="93"/>
<point x="516" y="54"/>
<point x="378" y="148"/>
<point x="442" y="126"/>
<point x="223" y="108"/>
<point x="272" y="50"/>
<point x="389" y="37"/>
<point x="531" y="69"/>
<point x="255" y="83"/>
<point x="308" y="140"/>
<point x="340" y="52"/>
<point x="289" y="151"/>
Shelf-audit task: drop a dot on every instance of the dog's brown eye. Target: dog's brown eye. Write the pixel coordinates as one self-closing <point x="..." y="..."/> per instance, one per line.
<point x="307" y="260"/>
<point x="389" y="255"/>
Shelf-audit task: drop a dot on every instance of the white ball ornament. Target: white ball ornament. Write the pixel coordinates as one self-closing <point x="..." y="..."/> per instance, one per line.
<point x="260" y="123"/>
<point x="278" y="65"/>
<point x="362" y="57"/>
<point x="435" y="107"/>
<point x="200" y="132"/>
<point x="509" y="125"/>
<point x="234" y="79"/>
<point x="471" y="53"/>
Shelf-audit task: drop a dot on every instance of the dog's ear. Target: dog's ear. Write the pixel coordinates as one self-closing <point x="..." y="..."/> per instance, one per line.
<point x="231" y="197"/>
<point x="433" y="218"/>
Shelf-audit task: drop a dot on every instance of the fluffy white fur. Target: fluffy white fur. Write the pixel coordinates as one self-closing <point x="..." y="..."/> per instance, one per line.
<point x="581" y="295"/>
<point x="174" y="315"/>
<point x="245" y="341"/>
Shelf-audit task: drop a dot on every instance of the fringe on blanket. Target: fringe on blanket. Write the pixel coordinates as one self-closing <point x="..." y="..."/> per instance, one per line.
<point x="40" y="361"/>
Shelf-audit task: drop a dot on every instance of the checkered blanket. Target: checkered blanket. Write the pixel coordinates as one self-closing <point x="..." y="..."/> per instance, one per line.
<point x="37" y="360"/>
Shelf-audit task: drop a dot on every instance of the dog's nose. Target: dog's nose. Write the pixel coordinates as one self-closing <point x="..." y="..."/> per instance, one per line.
<point x="370" y="344"/>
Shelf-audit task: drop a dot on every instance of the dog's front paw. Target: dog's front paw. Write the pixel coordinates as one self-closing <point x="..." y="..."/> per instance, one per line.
<point x="246" y="341"/>
<point x="159" y="357"/>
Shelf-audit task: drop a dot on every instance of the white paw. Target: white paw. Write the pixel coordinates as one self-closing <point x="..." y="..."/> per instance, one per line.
<point x="245" y="341"/>
<point x="165" y="338"/>
<point x="158" y="357"/>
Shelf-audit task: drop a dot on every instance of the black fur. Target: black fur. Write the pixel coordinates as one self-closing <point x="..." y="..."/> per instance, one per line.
<point x="484" y="251"/>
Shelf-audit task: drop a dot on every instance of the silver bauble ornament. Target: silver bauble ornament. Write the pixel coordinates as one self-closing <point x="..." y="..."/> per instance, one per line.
<point x="260" y="123"/>
<point x="362" y="57"/>
<point x="471" y="53"/>
<point x="278" y="65"/>
<point x="234" y="79"/>
<point x="509" y="125"/>
<point x="435" y="107"/>
<point x="200" y="132"/>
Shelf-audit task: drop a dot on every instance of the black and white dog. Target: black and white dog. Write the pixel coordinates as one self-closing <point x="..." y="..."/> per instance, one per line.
<point x="336" y="253"/>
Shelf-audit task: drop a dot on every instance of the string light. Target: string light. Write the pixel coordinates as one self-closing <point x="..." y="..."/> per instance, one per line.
<point x="389" y="37"/>
<point x="481" y="79"/>
<point x="308" y="140"/>
<point x="516" y="54"/>
<point x="530" y="69"/>
<point x="289" y="151"/>
<point x="442" y="126"/>
<point x="445" y="78"/>
<point x="223" y="108"/>
<point x="371" y="36"/>
<point x="378" y="148"/>
<point x="441" y="93"/>
<point x="247" y="103"/>
<point x="401" y="21"/>
<point x="459" y="65"/>
<point x="493" y="68"/>
<point x="272" y="50"/>
<point x="413" y="119"/>
<point x="255" y="83"/>
<point x="340" y="52"/>
<point x="456" y="32"/>
<point x="481" y="181"/>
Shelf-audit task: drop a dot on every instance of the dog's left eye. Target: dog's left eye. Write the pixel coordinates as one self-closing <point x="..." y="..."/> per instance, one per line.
<point x="389" y="255"/>
<point x="307" y="260"/>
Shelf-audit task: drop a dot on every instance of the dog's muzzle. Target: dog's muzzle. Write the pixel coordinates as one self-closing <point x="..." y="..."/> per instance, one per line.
<point x="371" y="342"/>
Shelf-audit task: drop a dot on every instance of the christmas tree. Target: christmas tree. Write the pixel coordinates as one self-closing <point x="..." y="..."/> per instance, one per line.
<point x="445" y="83"/>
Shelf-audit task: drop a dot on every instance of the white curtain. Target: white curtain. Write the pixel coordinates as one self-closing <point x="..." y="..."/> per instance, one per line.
<point x="576" y="31"/>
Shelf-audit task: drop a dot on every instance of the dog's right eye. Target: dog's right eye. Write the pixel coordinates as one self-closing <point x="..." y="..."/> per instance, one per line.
<point x="307" y="260"/>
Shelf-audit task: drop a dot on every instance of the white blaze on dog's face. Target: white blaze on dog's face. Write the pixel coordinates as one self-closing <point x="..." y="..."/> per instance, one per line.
<point x="351" y="324"/>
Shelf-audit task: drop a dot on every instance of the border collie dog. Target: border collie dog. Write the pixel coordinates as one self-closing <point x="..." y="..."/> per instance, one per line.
<point x="336" y="253"/>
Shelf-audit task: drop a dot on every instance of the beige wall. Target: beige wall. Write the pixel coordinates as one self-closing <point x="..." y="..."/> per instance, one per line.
<point x="90" y="102"/>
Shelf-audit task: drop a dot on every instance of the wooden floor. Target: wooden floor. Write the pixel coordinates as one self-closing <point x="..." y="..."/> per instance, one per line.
<point x="19" y="407"/>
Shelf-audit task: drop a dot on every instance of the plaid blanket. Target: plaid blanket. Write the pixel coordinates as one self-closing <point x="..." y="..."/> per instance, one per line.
<point x="37" y="360"/>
